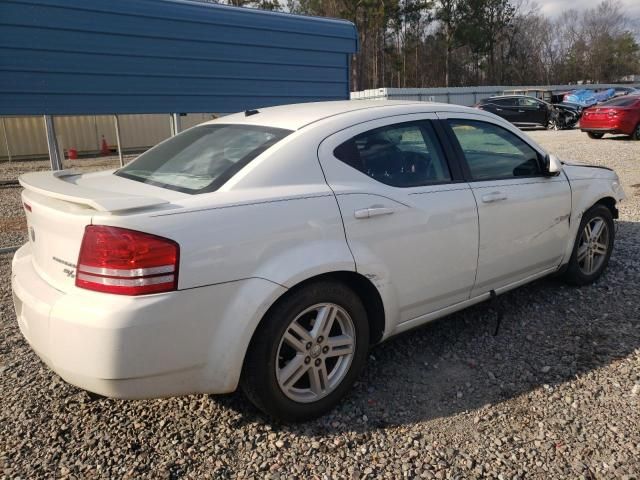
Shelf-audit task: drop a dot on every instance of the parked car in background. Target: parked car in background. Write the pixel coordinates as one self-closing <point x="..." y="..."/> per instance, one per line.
<point x="620" y="115"/>
<point x="526" y="111"/>
<point x="521" y="110"/>
<point x="272" y="248"/>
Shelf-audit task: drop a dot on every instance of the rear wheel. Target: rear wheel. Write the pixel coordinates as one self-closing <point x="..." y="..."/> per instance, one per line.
<point x="593" y="246"/>
<point x="307" y="352"/>
<point x="595" y="135"/>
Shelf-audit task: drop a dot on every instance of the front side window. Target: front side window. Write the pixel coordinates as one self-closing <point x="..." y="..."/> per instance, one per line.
<point x="492" y="152"/>
<point x="506" y="102"/>
<point x="528" y="102"/>
<point x="401" y="155"/>
<point x="202" y="158"/>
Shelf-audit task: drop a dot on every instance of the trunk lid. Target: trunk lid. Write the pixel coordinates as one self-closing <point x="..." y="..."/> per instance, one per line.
<point x="603" y="113"/>
<point x="59" y="205"/>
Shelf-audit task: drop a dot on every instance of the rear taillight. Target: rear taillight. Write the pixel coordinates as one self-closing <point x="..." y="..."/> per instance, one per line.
<point x="613" y="113"/>
<point x="126" y="262"/>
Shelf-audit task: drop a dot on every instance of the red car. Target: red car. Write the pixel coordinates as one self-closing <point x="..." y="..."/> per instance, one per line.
<point x="620" y="115"/>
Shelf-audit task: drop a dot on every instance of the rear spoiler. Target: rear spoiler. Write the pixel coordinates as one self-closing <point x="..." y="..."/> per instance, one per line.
<point x="59" y="185"/>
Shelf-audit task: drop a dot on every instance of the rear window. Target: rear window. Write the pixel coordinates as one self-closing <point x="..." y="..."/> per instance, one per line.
<point x="202" y="158"/>
<point x="621" y="102"/>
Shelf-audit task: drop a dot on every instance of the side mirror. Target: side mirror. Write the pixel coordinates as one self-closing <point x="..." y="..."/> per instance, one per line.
<point x="552" y="165"/>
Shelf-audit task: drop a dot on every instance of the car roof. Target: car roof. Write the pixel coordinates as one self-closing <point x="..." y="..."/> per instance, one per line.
<point x="512" y="95"/>
<point x="299" y="115"/>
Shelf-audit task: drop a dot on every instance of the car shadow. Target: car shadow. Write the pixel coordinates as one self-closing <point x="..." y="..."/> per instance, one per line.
<point x="612" y="137"/>
<point x="551" y="332"/>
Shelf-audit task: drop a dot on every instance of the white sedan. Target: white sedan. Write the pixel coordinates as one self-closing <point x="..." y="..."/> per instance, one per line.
<point x="272" y="248"/>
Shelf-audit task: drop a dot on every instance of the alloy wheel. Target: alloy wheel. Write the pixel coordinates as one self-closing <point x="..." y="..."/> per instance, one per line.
<point x="593" y="246"/>
<point x="315" y="352"/>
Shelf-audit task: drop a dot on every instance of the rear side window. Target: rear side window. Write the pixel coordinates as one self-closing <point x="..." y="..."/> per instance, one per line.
<point x="491" y="152"/>
<point x="202" y="158"/>
<point x="401" y="155"/>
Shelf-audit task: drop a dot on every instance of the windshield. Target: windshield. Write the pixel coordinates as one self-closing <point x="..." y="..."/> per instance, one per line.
<point x="202" y="158"/>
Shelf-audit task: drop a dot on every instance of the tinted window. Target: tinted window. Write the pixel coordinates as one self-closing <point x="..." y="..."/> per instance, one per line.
<point x="202" y="158"/>
<point x="528" y="102"/>
<point x="504" y="102"/>
<point x="402" y="155"/>
<point x="493" y="152"/>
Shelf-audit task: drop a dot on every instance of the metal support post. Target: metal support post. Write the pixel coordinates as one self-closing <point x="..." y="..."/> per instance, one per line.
<point x="6" y="139"/>
<point x="175" y="124"/>
<point x="116" y="123"/>
<point x="52" y="143"/>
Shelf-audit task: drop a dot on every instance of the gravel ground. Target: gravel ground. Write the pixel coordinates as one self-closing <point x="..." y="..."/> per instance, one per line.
<point x="556" y="394"/>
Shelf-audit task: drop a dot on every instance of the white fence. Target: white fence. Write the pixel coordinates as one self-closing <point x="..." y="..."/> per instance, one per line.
<point x="467" y="96"/>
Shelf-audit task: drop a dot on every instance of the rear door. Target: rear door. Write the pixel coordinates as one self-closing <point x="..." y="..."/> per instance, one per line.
<point x="410" y="220"/>
<point x="523" y="214"/>
<point x="503" y="107"/>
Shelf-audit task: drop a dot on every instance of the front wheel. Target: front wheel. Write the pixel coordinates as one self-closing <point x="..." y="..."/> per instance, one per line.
<point x="593" y="246"/>
<point x="636" y="133"/>
<point x="595" y="135"/>
<point x="307" y="352"/>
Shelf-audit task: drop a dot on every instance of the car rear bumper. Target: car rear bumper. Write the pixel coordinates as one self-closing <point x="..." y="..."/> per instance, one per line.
<point x="617" y="127"/>
<point x="190" y="341"/>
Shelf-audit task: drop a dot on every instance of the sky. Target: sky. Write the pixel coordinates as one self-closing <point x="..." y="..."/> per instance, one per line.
<point x="554" y="8"/>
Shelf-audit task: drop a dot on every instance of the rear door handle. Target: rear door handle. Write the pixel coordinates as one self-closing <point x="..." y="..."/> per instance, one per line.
<point x="494" y="197"/>
<point x="373" y="212"/>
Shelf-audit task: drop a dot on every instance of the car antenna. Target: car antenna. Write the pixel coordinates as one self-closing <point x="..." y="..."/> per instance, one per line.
<point x="248" y="113"/>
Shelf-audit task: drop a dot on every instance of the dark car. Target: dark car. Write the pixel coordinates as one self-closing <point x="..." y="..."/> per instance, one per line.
<point x="521" y="110"/>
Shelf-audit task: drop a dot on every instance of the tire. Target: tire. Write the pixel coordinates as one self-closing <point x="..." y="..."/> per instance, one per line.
<point x="595" y="135"/>
<point x="636" y="133"/>
<point x="580" y="271"/>
<point x="287" y="394"/>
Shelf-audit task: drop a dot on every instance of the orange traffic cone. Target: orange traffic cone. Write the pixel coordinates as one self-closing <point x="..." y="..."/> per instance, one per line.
<point x="104" y="149"/>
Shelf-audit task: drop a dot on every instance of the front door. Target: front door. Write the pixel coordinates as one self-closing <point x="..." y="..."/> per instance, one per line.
<point x="410" y="222"/>
<point x="523" y="214"/>
<point x="531" y="110"/>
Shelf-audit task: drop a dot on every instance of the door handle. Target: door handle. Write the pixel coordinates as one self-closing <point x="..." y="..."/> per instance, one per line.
<point x="498" y="109"/>
<point x="494" y="197"/>
<point x="373" y="212"/>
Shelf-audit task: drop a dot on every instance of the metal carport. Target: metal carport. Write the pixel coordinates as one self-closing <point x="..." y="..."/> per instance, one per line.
<point x="70" y="57"/>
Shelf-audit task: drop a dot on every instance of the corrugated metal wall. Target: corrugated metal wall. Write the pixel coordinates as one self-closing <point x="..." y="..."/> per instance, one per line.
<point x="70" y="57"/>
<point x="467" y="96"/>
<point x="26" y="135"/>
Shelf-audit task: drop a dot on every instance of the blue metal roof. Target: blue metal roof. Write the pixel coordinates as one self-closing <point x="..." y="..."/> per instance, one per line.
<point x="157" y="56"/>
